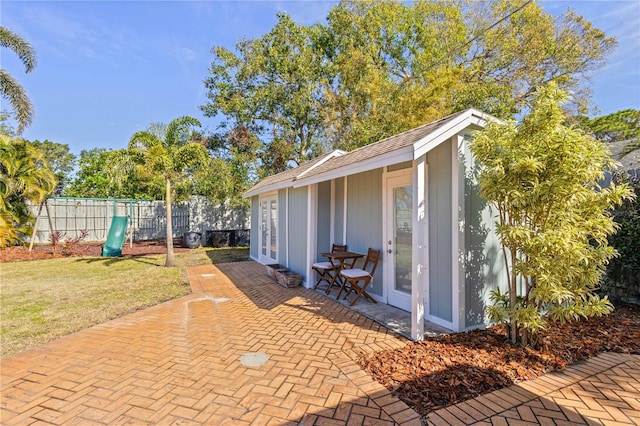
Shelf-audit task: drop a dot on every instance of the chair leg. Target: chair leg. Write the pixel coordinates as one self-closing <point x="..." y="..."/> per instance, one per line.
<point x="323" y="276"/>
<point x="360" y="291"/>
<point x="334" y="278"/>
<point x="320" y="279"/>
<point x="353" y="287"/>
<point x="343" y="287"/>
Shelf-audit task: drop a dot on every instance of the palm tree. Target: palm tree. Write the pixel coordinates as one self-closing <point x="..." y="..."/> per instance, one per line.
<point x="24" y="177"/>
<point x="167" y="152"/>
<point x="9" y="86"/>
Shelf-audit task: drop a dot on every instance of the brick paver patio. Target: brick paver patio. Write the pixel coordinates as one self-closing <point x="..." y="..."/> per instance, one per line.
<point x="243" y="350"/>
<point x="180" y="362"/>
<point x="602" y="391"/>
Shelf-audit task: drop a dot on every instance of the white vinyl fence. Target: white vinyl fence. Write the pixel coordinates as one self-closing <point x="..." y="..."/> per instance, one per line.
<point x="147" y="219"/>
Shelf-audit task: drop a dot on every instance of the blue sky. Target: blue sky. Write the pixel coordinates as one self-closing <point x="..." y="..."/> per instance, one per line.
<point x="107" y="69"/>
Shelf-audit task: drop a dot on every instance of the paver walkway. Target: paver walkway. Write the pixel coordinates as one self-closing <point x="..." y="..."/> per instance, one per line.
<point x="602" y="391"/>
<point x="198" y="360"/>
<point x="180" y="362"/>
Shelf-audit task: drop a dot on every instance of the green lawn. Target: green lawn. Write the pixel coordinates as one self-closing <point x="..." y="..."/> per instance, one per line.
<point x="228" y="254"/>
<point x="46" y="299"/>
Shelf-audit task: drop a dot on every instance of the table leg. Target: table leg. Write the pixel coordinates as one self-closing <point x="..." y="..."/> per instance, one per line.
<point x="336" y="275"/>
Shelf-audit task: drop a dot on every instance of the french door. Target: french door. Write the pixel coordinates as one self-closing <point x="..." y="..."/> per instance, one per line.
<point x="398" y="240"/>
<point x="268" y="235"/>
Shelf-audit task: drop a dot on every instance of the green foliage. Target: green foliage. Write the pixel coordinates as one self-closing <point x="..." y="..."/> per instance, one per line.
<point x="618" y="126"/>
<point x="542" y="176"/>
<point x="9" y="86"/>
<point x="271" y="88"/>
<point x="623" y="125"/>
<point x="5" y="125"/>
<point x="24" y="178"/>
<point x="60" y="160"/>
<point x="234" y="151"/>
<point x="623" y="273"/>
<point x="93" y="179"/>
<point x="163" y="152"/>
<point x="393" y="68"/>
<point x="377" y="68"/>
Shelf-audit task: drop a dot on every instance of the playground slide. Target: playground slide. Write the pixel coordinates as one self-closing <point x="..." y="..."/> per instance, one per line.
<point x="116" y="236"/>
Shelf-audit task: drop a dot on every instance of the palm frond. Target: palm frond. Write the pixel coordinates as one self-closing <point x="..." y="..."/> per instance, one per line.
<point x="143" y="140"/>
<point x="178" y="130"/>
<point x="17" y="97"/>
<point x="19" y="46"/>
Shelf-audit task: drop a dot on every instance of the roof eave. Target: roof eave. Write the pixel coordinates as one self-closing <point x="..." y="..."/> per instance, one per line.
<point x="288" y="183"/>
<point x="472" y="117"/>
<point x="393" y="157"/>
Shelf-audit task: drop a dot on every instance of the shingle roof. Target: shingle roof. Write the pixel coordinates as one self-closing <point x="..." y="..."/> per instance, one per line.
<point x="399" y="141"/>
<point x="339" y="159"/>
<point x="630" y="161"/>
<point x="290" y="174"/>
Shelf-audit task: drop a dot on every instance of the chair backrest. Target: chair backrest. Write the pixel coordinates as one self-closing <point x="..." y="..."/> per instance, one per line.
<point x="338" y="247"/>
<point x="373" y="256"/>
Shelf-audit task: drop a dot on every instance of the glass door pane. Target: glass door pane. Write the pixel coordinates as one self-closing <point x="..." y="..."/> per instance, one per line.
<point x="273" y="229"/>
<point x="403" y="205"/>
<point x="264" y="229"/>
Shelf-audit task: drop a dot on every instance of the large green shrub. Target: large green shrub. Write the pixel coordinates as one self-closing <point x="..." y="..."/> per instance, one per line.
<point x="554" y="220"/>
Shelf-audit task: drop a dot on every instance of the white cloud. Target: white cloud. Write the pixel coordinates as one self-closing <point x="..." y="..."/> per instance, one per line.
<point x="70" y="35"/>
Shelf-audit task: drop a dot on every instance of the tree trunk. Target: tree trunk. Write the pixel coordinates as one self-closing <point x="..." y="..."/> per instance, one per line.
<point x="513" y="298"/>
<point x="170" y="261"/>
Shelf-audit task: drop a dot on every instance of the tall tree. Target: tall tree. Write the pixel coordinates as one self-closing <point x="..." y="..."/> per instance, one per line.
<point x="236" y="148"/>
<point x="24" y="178"/>
<point x="554" y="219"/>
<point x="167" y="152"/>
<point x="400" y="65"/>
<point x="393" y="65"/>
<point x="623" y="125"/>
<point x="377" y="68"/>
<point x="60" y="160"/>
<point x="9" y="86"/>
<point x="272" y="87"/>
<point x="93" y="179"/>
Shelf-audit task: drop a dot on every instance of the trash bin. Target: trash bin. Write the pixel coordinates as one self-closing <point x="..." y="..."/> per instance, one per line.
<point x="218" y="238"/>
<point x="192" y="239"/>
<point x="242" y="237"/>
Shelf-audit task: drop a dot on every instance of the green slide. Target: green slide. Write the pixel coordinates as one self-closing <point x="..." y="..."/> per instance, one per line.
<point x="115" y="238"/>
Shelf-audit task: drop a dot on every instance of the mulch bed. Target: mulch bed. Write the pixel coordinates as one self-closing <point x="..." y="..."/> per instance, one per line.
<point x="445" y="370"/>
<point x="140" y="248"/>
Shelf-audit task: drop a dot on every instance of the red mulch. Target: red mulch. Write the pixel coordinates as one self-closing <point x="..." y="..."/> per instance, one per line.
<point x="445" y="370"/>
<point x="141" y="248"/>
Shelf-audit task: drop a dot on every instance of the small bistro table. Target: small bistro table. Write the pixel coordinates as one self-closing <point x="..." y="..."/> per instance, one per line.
<point x="345" y="259"/>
